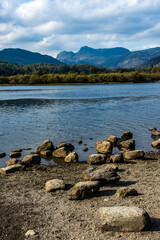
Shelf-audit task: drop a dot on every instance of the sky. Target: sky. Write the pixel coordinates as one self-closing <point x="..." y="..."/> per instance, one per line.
<point x="50" y="26"/>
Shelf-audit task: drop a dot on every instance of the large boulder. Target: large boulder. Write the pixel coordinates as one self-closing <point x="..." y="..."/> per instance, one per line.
<point x="2" y="154"/>
<point x="13" y="161"/>
<point x="94" y="159"/>
<point x="113" y="140"/>
<point x="126" y="191"/>
<point x="71" y="157"/>
<point x="126" y="145"/>
<point x="15" y="155"/>
<point x="46" y="154"/>
<point x="135" y="154"/>
<point x="156" y="144"/>
<point x="117" y="158"/>
<point x="126" y="136"/>
<point x="104" y="147"/>
<point x="11" y="169"/>
<point x="46" y="145"/>
<point x="122" y="219"/>
<point x="54" y="184"/>
<point x="104" y="174"/>
<point x="31" y="159"/>
<point x="61" y="152"/>
<point x="83" y="190"/>
<point x="66" y="145"/>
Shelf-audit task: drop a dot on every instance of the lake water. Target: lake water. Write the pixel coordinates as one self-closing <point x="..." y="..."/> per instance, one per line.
<point x="31" y="114"/>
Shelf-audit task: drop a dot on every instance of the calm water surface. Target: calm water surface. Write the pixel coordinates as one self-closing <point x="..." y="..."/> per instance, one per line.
<point x="31" y="114"/>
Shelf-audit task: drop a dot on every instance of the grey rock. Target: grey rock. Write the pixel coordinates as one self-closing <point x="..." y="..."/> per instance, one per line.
<point x="117" y="158"/>
<point x="104" y="174"/>
<point x="72" y="157"/>
<point x="54" y="184"/>
<point x="122" y="219"/>
<point x="94" y="159"/>
<point x="83" y="190"/>
<point x="156" y="144"/>
<point x="104" y="147"/>
<point x="15" y="155"/>
<point x="12" y="169"/>
<point x="31" y="159"/>
<point x="126" y="191"/>
<point x="46" y="145"/>
<point x="135" y="154"/>
<point x="2" y="154"/>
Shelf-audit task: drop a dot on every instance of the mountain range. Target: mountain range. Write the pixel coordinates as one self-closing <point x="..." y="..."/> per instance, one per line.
<point x="108" y="57"/>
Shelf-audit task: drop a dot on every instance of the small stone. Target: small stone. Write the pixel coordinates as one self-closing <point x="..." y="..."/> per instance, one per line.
<point x="122" y="219"/>
<point x="12" y="161"/>
<point x="80" y="141"/>
<point x="30" y="233"/>
<point x="72" y="157"/>
<point x="126" y="191"/>
<point x="135" y="154"/>
<point x="54" y="184"/>
<point x="11" y="169"/>
<point x="15" y="155"/>
<point x="46" y="145"/>
<point x="117" y="158"/>
<point x="83" y="190"/>
<point x="156" y="133"/>
<point x="94" y="159"/>
<point x="2" y="154"/>
<point x="156" y="144"/>
<point x="126" y="136"/>
<point x="104" y="147"/>
<point x="31" y="159"/>
<point x="17" y="150"/>
<point x="27" y="148"/>
<point x="152" y="129"/>
<point x="85" y="149"/>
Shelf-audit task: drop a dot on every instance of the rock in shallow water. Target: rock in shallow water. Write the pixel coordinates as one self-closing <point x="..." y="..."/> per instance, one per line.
<point x="122" y="219"/>
<point x="156" y="144"/>
<point x="83" y="190"/>
<point x="46" y="145"/>
<point x="61" y="152"/>
<point x="31" y="159"/>
<point x="2" y="154"/>
<point x="15" y="155"/>
<point x="104" y="147"/>
<point x="126" y="136"/>
<point x="72" y="157"/>
<point x="126" y="145"/>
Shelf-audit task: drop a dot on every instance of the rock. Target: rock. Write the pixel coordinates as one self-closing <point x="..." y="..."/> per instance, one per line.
<point x="72" y="157"/>
<point x="113" y="140"/>
<point x="27" y="148"/>
<point x="83" y="190"/>
<point x="11" y="169"/>
<point x="61" y="152"/>
<point x="96" y="159"/>
<point x="47" y="153"/>
<point x="104" y="147"/>
<point x="2" y="154"/>
<point x="152" y="129"/>
<point x="126" y="191"/>
<point x="31" y="159"/>
<point x="122" y="219"/>
<point x="156" y="144"/>
<point x="15" y="155"/>
<point x="117" y="158"/>
<point x="17" y="150"/>
<point x="13" y="161"/>
<point x="135" y="154"/>
<point x="85" y="149"/>
<point x="66" y="145"/>
<point x="126" y="145"/>
<point x="46" y="145"/>
<point x="126" y="136"/>
<point x="80" y="141"/>
<point x="30" y="233"/>
<point x="104" y="174"/>
<point x="155" y="133"/>
<point x="54" y="184"/>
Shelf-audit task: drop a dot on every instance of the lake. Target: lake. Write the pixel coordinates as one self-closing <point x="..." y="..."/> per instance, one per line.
<point x="31" y="114"/>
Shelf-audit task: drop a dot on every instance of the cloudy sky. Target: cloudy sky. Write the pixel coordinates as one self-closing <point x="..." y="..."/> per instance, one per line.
<point x="50" y="26"/>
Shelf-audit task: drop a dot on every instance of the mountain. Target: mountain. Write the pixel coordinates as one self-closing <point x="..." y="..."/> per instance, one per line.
<point x="109" y="57"/>
<point x="24" y="57"/>
<point x="151" y="63"/>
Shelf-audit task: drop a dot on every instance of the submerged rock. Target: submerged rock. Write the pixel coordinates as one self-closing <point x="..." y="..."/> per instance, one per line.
<point x="72" y="157"/>
<point x="122" y="219"/>
<point x="94" y="159"/>
<point x="104" y="147"/>
<point x="83" y="190"/>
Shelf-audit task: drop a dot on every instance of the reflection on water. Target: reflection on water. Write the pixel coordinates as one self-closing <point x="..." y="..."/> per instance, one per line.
<point x="32" y="114"/>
